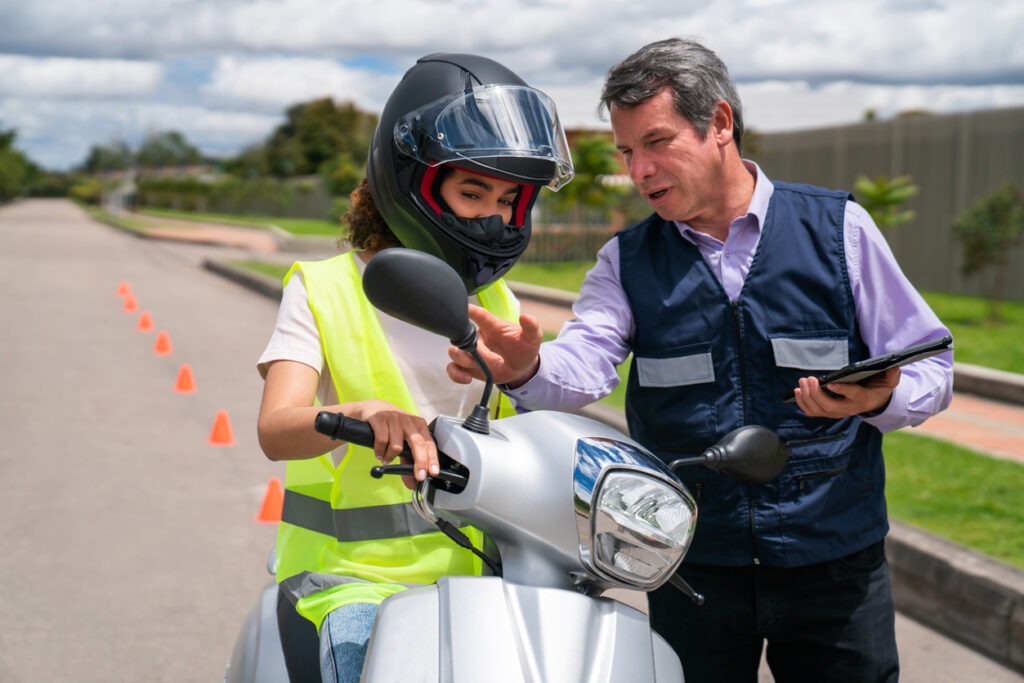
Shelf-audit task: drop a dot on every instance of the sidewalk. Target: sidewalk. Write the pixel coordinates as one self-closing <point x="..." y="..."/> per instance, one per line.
<point x="184" y="230"/>
<point x="992" y="427"/>
<point x="267" y="240"/>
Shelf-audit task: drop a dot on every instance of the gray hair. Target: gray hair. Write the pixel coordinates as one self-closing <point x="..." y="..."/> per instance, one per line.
<point x="698" y="78"/>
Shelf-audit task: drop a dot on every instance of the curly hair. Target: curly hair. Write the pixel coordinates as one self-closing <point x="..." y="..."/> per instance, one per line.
<point x="364" y="226"/>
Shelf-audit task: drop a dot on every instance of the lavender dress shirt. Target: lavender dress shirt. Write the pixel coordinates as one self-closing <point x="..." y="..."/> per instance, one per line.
<point x="579" y="367"/>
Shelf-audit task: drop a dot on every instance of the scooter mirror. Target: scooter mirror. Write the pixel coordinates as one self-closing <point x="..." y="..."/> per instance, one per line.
<point x="422" y="290"/>
<point x="752" y="454"/>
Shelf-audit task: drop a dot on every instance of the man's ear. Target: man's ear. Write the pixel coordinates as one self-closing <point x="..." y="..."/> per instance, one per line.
<point x="722" y="123"/>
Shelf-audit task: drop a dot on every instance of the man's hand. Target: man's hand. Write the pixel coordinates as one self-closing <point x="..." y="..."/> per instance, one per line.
<point x="853" y="399"/>
<point x="512" y="352"/>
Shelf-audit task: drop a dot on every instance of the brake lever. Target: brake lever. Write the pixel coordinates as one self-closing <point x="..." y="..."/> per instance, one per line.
<point x="449" y="479"/>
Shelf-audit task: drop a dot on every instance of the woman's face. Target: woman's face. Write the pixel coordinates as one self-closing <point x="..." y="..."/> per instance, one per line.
<point x="475" y="196"/>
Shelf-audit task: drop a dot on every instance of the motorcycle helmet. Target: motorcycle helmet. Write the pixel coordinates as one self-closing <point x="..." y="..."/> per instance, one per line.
<point x="473" y="113"/>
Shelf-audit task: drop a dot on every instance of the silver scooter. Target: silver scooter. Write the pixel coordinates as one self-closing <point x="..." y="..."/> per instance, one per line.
<point x="584" y="521"/>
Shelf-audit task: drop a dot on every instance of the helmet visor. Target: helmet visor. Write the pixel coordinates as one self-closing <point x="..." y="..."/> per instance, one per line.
<point x="486" y="124"/>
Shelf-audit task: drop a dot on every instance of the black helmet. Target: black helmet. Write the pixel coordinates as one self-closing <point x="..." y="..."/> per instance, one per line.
<point x="473" y="113"/>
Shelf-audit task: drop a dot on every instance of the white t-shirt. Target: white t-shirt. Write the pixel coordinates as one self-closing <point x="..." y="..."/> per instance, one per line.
<point x="421" y="355"/>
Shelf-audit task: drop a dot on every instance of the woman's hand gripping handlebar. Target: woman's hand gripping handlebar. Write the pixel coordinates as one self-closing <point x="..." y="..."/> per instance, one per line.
<point x="360" y="432"/>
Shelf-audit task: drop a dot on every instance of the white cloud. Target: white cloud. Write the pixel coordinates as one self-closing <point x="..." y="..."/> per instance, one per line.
<point x="273" y="84"/>
<point x="64" y="78"/>
<point x="773" y="106"/>
<point x="59" y="136"/>
<point x="798" y="63"/>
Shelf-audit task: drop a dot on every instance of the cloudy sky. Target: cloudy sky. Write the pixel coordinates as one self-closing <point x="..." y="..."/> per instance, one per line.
<point x="222" y="72"/>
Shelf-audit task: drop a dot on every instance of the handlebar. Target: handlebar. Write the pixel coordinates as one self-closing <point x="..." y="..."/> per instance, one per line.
<point x="344" y="428"/>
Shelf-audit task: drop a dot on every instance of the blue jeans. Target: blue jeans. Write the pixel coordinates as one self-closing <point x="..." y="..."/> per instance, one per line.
<point x="832" y="622"/>
<point x="343" y="639"/>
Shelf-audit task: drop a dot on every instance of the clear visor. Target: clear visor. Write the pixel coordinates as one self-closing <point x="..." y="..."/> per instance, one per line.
<point x="504" y="122"/>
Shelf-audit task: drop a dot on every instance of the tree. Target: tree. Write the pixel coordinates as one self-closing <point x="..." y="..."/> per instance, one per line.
<point x="14" y="167"/>
<point x="315" y="133"/>
<point x="988" y="230"/>
<point x="167" y="150"/>
<point x="251" y="163"/>
<point x="114" y="156"/>
<point x="594" y="159"/>
<point x="342" y="174"/>
<point x="884" y="198"/>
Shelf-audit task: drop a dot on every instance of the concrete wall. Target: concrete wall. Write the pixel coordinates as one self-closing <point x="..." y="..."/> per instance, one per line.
<point x="953" y="159"/>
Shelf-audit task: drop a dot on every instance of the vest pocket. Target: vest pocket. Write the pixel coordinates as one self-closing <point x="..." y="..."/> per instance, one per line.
<point x="675" y="393"/>
<point x="815" y="353"/>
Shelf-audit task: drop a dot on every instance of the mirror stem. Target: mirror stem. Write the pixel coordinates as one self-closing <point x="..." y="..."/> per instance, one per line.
<point x="701" y="459"/>
<point x="479" y="419"/>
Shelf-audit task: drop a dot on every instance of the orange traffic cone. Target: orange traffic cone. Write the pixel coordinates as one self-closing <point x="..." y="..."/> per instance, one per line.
<point x="273" y="502"/>
<point x="221" y="434"/>
<point x="130" y="304"/>
<point x="163" y="344"/>
<point x="123" y="288"/>
<point x="186" y="383"/>
<point x="145" y="322"/>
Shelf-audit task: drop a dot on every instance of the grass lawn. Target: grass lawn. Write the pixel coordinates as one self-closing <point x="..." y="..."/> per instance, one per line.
<point x="296" y="226"/>
<point x="969" y="498"/>
<point x="979" y="341"/>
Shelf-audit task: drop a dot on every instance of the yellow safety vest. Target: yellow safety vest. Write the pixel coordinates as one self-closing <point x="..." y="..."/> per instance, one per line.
<point x="345" y="537"/>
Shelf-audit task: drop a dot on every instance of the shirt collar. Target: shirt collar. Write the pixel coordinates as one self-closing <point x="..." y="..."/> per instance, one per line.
<point x="756" y="210"/>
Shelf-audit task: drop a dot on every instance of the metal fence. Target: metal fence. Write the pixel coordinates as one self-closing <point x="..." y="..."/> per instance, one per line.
<point x="954" y="159"/>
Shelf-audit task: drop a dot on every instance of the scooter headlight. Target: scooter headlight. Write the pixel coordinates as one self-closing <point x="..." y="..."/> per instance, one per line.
<point x="642" y="528"/>
<point x="641" y="519"/>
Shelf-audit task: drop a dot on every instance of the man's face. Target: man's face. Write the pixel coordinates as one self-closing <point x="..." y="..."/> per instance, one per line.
<point x="670" y="165"/>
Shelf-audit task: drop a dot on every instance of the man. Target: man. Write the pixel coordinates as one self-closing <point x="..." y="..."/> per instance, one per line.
<point x="736" y="290"/>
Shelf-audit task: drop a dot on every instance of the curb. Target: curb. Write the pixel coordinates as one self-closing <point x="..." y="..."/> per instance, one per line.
<point x="959" y="593"/>
<point x="988" y="383"/>
<point x="266" y="285"/>
<point x="544" y="295"/>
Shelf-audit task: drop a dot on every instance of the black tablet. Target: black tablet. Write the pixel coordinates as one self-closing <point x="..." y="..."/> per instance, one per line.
<point x="862" y="370"/>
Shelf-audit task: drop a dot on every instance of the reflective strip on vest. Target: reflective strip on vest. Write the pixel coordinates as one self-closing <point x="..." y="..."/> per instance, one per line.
<point x="353" y="524"/>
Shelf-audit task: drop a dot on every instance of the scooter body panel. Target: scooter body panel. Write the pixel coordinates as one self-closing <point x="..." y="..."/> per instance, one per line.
<point x="470" y="629"/>
<point x="257" y="656"/>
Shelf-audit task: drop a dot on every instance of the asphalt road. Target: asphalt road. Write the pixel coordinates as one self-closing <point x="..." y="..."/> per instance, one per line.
<point x="129" y="549"/>
<point x="128" y="545"/>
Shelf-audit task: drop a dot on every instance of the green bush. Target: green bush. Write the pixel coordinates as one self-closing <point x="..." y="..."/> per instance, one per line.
<point x="988" y="230"/>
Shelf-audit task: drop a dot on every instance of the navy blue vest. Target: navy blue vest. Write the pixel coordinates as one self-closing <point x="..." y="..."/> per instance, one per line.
<point x="703" y="365"/>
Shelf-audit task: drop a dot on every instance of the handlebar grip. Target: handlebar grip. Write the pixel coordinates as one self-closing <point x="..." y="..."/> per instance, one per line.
<point x="342" y="428"/>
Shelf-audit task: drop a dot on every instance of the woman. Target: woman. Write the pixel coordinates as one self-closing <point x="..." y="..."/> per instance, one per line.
<point x="461" y="150"/>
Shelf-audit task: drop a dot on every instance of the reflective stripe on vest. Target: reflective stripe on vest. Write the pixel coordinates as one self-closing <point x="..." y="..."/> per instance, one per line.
<point x="353" y="524"/>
